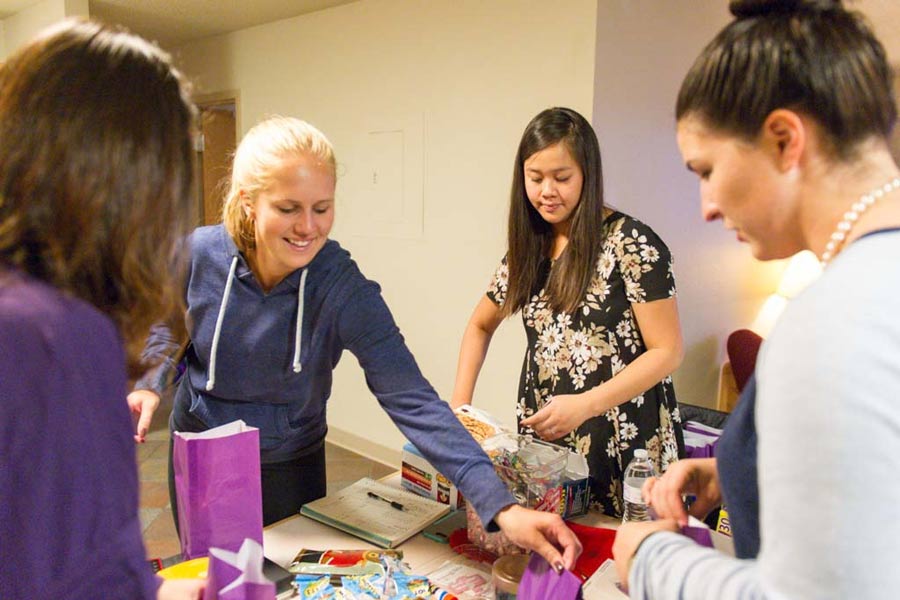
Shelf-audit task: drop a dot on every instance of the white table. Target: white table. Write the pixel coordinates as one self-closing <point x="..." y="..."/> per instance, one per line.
<point x="284" y="539"/>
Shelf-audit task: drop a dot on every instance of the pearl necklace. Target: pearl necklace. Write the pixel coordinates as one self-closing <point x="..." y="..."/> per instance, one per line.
<point x="851" y="216"/>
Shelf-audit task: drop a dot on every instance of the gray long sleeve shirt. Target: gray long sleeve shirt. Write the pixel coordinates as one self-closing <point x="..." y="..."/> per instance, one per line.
<point x="828" y="420"/>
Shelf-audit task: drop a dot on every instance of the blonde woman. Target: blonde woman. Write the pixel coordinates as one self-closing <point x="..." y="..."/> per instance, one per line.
<point x="272" y="303"/>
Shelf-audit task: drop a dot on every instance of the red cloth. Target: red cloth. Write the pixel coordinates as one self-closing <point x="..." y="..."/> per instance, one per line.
<point x="597" y="543"/>
<point x="459" y="543"/>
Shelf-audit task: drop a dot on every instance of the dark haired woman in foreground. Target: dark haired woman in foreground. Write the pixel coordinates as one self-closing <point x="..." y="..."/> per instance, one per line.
<point x="95" y="190"/>
<point x="597" y="297"/>
<point x="785" y="118"/>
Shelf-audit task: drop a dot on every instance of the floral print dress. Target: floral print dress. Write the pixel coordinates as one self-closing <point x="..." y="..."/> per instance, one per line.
<point x="572" y="353"/>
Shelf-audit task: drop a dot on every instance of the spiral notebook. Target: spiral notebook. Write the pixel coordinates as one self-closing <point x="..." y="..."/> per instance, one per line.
<point x="376" y="512"/>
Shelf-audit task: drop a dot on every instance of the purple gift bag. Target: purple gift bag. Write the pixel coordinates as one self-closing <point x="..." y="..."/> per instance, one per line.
<point x="540" y="582"/>
<point x="218" y="488"/>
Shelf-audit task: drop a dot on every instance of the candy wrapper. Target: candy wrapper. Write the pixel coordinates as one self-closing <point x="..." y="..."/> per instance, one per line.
<point x="393" y="586"/>
<point x="238" y="575"/>
<point x="392" y="582"/>
<point x="338" y="563"/>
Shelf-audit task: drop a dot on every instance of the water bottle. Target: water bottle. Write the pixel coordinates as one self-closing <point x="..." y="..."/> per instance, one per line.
<point x="638" y="471"/>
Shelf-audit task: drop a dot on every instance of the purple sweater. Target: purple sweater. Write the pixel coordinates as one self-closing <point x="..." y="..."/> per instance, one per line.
<point x="69" y="523"/>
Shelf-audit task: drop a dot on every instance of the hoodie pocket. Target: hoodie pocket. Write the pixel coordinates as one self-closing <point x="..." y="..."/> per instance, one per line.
<point x="270" y="419"/>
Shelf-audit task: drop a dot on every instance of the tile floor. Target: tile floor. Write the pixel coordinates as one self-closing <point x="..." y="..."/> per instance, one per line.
<point x="160" y="539"/>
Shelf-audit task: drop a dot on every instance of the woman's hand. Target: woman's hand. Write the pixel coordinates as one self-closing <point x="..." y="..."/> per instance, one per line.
<point x="560" y="416"/>
<point x="181" y="589"/>
<point x="543" y="532"/>
<point x="629" y="537"/>
<point x="143" y="403"/>
<point x="697" y="476"/>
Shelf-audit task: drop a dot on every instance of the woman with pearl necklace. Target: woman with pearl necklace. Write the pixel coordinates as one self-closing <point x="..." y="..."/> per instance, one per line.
<point x="785" y="119"/>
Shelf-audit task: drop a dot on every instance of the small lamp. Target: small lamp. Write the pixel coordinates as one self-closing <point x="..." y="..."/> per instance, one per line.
<point x="802" y="269"/>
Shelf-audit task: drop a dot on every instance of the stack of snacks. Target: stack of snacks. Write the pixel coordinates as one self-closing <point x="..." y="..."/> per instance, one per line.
<point x="392" y="581"/>
<point x="337" y="563"/>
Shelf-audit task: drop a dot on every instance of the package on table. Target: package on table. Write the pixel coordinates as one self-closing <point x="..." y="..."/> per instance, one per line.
<point x="418" y="476"/>
<point x="575" y="493"/>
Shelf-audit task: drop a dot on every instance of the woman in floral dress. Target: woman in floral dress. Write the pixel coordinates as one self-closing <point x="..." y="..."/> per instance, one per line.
<point x="597" y="297"/>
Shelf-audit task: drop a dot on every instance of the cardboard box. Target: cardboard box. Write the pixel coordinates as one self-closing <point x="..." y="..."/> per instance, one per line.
<point x="418" y="476"/>
<point x="576" y="494"/>
<point x="544" y="476"/>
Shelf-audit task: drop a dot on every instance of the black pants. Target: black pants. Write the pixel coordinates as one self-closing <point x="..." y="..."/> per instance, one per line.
<point x="286" y="486"/>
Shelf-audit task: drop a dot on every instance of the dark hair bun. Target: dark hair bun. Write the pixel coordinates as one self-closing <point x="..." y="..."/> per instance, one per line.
<point x="743" y="9"/>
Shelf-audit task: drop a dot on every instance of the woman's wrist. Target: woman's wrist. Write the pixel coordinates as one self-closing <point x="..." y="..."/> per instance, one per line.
<point x="459" y="400"/>
<point x="634" y="555"/>
<point x="597" y="402"/>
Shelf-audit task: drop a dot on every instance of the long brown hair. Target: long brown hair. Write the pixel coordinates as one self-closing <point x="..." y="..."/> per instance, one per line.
<point x="95" y="172"/>
<point x="531" y="237"/>
<point x="811" y="56"/>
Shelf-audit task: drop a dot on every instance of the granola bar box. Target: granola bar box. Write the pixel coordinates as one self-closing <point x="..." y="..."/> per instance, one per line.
<point x="418" y="476"/>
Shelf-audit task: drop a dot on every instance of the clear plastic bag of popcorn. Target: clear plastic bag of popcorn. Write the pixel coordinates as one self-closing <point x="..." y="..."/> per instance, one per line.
<point x="480" y="424"/>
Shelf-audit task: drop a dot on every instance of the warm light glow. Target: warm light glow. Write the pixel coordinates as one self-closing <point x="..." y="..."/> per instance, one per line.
<point x="802" y="269"/>
<point x="768" y="314"/>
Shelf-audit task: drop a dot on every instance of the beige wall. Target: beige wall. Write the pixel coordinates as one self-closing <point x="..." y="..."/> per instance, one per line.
<point x="644" y="48"/>
<point x="463" y="78"/>
<point x="22" y="26"/>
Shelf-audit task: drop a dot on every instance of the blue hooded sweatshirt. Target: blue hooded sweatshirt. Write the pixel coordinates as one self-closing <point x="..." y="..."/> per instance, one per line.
<point x="268" y="358"/>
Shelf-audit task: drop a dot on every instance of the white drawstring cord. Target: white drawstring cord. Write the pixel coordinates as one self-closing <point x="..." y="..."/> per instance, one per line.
<point x="299" y="330"/>
<point x="211" y="382"/>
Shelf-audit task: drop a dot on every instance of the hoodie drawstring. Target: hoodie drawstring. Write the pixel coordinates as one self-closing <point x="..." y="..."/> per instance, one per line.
<point x="299" y="331"/>
<point x="211" y="382"/>
<point x="297" y="366"/>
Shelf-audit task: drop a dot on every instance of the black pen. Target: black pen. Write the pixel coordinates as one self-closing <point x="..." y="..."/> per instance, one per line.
<point x="393" y="503"/>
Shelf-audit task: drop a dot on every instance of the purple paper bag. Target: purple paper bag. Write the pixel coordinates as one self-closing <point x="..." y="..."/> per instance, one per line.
<point x="218" y="488"/>
<point x="701" y="535"/>
<point x="238" y="575"/>
<point x="540" y="582"/>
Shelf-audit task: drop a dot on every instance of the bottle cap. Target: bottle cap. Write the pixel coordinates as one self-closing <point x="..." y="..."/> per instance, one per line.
<point x="641" y="453"/>
<point x="507" y="572"/>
